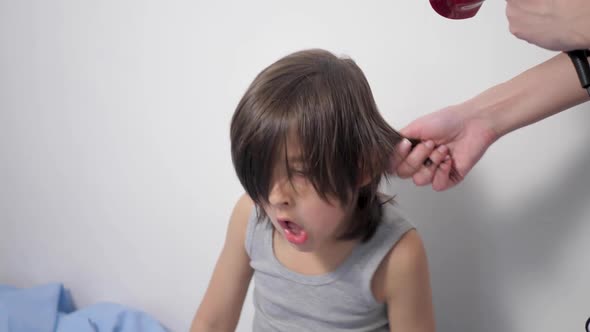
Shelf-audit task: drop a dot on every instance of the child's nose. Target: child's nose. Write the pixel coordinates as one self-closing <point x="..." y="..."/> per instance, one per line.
<point x="280" y="194"/>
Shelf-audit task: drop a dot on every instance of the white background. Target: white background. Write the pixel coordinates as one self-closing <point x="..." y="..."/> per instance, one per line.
<point x="116" y="177"/>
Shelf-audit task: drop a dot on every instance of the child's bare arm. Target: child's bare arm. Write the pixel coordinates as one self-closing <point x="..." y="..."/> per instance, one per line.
<point x="222" y="304"/>
<point x="407" y="287"/>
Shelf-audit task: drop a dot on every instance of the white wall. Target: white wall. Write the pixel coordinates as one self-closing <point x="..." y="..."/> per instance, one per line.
<point x="116" y="178"/>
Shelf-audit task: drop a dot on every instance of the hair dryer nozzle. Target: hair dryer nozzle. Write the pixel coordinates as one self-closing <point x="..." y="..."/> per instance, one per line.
<point x="456" y="9"/>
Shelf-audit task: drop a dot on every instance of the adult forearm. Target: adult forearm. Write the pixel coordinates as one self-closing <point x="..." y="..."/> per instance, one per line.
<point x="559" y="25"/>
<point x="535" y="94"/>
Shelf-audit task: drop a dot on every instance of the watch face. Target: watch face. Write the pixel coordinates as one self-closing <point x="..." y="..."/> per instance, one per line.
<point x="588" y="325"/>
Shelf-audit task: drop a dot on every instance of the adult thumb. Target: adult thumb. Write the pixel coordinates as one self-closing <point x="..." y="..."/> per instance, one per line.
<point x="413" y="130"/>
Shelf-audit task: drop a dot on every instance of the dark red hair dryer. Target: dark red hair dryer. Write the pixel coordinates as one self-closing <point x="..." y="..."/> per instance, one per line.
<point x="456" y="9"/>
<point x="461" y="9"/>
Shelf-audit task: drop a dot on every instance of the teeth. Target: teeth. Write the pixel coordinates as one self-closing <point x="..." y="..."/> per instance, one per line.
<point x="291" y="226"/>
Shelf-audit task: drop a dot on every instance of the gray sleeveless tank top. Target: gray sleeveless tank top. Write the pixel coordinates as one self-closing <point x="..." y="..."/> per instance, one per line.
<point x="340" y="300"/>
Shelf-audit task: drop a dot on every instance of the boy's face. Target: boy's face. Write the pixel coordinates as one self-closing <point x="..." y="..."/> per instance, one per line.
<point x="297" y="211"/>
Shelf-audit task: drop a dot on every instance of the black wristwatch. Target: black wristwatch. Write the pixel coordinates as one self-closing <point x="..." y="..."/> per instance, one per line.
<point x="580" y="61"/>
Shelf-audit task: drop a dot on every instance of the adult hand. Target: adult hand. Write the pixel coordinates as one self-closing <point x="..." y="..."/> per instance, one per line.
<point x="466" y="136"/>
<point x="558" y="25"/>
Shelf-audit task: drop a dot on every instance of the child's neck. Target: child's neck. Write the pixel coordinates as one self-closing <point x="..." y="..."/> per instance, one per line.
<point x="324" y="259"/>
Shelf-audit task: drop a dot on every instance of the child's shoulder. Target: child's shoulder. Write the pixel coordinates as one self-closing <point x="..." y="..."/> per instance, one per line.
<point x="391" y="214"/>
<point x="401" y="265"/>
<point x="238" y="222"/>
<point x="409" y="248"/>
<point x="406" y="253"/>
<point x="405" y="260"/>
<point x="243" y="208"/>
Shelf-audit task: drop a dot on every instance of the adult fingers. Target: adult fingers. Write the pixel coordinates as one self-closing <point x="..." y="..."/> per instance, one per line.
<point x="414" y="161"/>
<point x="426" y="173"/>
<point x="442" y="178"/>
<point x="400" y="153"/>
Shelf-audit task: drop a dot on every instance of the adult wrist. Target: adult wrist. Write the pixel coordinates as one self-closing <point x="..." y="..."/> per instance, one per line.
<point x="580" y="35"/>
<point x="493" y="110"/>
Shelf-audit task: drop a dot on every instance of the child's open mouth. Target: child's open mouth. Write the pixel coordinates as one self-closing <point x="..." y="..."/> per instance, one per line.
<point x="293" y="232"/>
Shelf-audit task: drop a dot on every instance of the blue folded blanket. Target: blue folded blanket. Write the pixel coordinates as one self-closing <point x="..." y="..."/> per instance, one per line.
<point x="49" y="308"/>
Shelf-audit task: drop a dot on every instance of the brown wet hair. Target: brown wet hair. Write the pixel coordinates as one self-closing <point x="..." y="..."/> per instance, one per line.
<point x="327" y="103"/>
